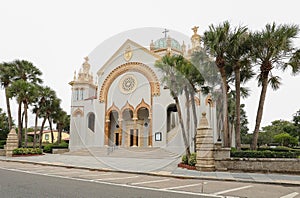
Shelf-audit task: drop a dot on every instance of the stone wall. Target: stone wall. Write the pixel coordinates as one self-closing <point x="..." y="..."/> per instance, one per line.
<point x="275" y="165"/>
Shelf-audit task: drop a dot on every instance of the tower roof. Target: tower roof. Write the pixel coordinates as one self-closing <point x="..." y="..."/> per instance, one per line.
<point x="166" y="42"/>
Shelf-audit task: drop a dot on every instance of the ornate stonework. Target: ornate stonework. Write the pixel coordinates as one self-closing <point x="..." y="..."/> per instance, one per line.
<point x="128" y="53"/>
<point x="128" y="84"/>
<point x="77" y="112"/>
<point x="133" y="67"/>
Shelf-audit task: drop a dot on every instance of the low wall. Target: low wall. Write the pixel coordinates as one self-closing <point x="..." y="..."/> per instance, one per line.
<point x="276" y="165"/>
<point x="59" y="151"/>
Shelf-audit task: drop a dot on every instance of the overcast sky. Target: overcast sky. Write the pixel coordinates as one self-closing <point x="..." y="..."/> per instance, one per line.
<point x="56" y="35"/>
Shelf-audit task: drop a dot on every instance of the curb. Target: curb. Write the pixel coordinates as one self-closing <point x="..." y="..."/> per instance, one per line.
<point x="163" y="174"/>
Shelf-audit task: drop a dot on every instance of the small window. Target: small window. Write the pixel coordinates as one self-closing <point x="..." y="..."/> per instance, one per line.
<point x="46" y="136"/>
<point x="91" y="122"/>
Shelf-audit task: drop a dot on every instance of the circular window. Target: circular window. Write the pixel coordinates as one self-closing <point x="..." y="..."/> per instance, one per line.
<point x="128" y="84"/>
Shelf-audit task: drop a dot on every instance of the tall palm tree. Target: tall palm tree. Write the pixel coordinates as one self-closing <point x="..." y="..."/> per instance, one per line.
<point x="216" y="40"/>
<point x="173" y="79"/>
<point x="7" y="74"/>
<point x="238" y="58"/>
<point x="47" y="112"/>
<point x="40" y="101"/>
<point x="24" y="93"/>
<point x="272" y="48"/>
<point x="27" y="71"/>
<point x="194" y="80"/>
<point x="61" y="120"/>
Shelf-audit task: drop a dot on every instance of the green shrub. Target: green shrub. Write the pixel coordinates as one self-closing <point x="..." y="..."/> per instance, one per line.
<point x="192" y="160"/>
<point x="48" y="148"/>
<point x="2" y="143"/>
<point x="25" y="151"/>
<point x="264" y="154"/>
<point x="184" y="159"/>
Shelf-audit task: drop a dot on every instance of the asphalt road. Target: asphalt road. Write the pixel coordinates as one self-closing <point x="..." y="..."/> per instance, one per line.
<point x="18" y="184"/>
<point x="30" y="180"/>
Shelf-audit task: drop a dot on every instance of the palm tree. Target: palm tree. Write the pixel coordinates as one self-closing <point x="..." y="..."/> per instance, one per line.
<point x="173" y="79"/>
<point x="47" y="112"/>
<point x="194" y="79"/>
<point x="238" y="58"/>
<point x="27" y="71"/>
<point x="61" y="120"/>
<point x="272" y="48"/>
<point x="42" y="93"/>
<point x="216" y="40"/>
<point x="7" y="74"/>
<point x="24" y="93"/>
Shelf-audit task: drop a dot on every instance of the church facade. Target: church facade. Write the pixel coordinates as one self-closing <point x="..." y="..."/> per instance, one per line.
<point x="128" y="106"/>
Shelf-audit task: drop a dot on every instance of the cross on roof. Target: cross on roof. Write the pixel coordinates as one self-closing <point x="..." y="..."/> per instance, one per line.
<point x="165" y="32"/>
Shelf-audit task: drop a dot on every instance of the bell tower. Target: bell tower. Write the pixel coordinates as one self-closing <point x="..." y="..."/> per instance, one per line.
<point x="82" y="84"/>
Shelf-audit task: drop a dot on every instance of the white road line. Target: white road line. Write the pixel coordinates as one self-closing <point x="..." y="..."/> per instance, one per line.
<point x="185" y="186"/>
<point x="116" y="178"/>
<point x="294" y="194"/>
<point x="231" y="190"/>
<point x="149" y="182"/>
<point x="83" y="175"/>
<point x="117" y="184"/>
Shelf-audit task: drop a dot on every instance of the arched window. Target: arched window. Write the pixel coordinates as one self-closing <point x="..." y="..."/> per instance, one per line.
<point x="172" y="117"/>
<point x="91" y="122"/>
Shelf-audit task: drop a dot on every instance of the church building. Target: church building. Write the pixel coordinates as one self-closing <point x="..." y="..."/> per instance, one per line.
<point x="127" y="105"/>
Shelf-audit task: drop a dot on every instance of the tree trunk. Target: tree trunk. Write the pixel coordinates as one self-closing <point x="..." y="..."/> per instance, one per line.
<point x="20" y="125"/>
<point x="35" y="128"/>
<point x="50" y="125"/>
<point x="192" y="94"/>
<point x="187" y="147"/>
<point x="225" y="107"/>
<point x="188" y="116"/>
<point x="238" y="108"/>
<point x="41" y="132"/>
<point x="59" y="132"/>
<point x="26" y="121"/>
<point x="259" y="112"/>
<point x="8" y="109"/>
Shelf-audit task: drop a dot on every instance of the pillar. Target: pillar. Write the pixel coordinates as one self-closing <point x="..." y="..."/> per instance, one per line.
<point x="11" y="142"/>
<point x="205" y="146"/>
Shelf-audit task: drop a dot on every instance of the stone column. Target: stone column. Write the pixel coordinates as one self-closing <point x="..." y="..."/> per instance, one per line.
<point x="11" y="142"/>
<point x="205" y="146"/>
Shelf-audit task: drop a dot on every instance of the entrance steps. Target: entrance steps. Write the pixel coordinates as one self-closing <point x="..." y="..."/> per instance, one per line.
<point x="121" y="152"/>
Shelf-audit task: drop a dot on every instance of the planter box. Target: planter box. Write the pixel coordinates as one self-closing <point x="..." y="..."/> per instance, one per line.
<point x="181" y="165"/>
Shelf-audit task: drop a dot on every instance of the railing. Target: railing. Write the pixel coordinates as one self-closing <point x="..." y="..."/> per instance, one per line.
<point x="111" y="149"/>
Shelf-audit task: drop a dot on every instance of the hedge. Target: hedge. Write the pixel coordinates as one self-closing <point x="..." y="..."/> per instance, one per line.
<point x="48" y="148"/>
<point x="25" y="151"/>
<point x="264" y="154"/>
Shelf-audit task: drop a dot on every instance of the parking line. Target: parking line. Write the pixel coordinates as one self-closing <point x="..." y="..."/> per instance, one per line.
<point x="116" y="178"/>
<point x="294" y="194"/>
<point x="231" y="190"/>
<point x="96" y="175"/>
<point x="185" y="186"/>
<point x="149" y="182"/>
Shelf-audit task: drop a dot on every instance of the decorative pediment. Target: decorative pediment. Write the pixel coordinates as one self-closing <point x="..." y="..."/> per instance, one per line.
<point x="77" y="112"/>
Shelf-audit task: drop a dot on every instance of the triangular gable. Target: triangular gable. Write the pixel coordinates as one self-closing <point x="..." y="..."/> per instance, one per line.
<point x="122" y="48"/>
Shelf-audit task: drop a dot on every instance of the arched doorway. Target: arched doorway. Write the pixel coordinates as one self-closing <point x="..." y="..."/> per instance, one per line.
<point x="128" y="128"/>
<point x="172" y="117"/>
<point x="114" y="129"/>
<point x="143" y="126"/>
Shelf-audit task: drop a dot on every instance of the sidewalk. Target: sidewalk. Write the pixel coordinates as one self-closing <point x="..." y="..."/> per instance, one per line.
<point x="163" y="167"/>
